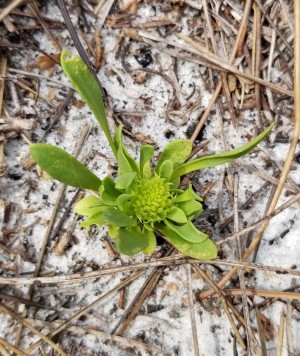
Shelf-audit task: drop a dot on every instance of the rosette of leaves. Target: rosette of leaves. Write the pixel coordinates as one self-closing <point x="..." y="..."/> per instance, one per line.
<point x="143" y="200"/>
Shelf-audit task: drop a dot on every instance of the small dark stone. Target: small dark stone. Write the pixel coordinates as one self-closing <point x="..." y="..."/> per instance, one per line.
<point x="152" y="308"/>
<point x="212" y="220"/>
<point x="45" y="196"/>
<point x="144" y="57"/>
<point x="190" y="130"/>
<point x="169" y="133"/>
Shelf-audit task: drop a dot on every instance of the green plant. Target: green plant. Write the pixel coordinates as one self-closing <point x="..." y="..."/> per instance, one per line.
<point x="142" y="200"/>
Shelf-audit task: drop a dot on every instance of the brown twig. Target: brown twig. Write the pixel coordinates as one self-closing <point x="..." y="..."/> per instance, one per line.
<point x="165" y="261"/>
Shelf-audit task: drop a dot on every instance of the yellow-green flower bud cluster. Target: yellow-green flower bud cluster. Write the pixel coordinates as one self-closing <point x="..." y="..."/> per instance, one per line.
<point x="151" y="199"/>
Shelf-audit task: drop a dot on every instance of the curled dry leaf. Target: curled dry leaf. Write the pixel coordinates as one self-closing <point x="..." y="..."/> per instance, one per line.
<point x="47" y="62"/>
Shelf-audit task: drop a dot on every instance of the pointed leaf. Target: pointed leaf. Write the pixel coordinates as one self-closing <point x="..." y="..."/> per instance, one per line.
<point x="125" y="180"/>
<point x="123" y="203"/>
<point x="116" y="217"/>
<point x="188" y="194"/>
<point x="95" y="219"/>
<point x="187" y="231"/>
<point x="108" y="193"/>
<point x="151" y="242"/>
<point x="191" y="208"/>
<point x="177" y="152"/>
<point x="124" y="165"/>
<point x="205" y="250"/>
<point x="130" y="241"/>
<point x="177" y="215"/>
<point x="146" y="154"/>
<point x="87" y="205"/>
<point x="175" y="182"/>
<point x="113" y="231"/>
<point x="221" y="158"/>
<point x="62" y="166"/>
<point x="166" y="170"/>
<point x="86" y="85"/>
<point x="119" y="144"/>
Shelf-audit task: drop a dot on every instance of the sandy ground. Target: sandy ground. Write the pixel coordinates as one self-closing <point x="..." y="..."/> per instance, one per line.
<point x="155" y="111"/>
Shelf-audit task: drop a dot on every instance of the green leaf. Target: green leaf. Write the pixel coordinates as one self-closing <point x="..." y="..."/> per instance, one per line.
<point x="146" y="154"/>
<point x="188" y="194"/>
<point x="125" y="159"/>
<point x="62" y="166"/>
<point x="116" y="217"/>
<point x="113" y="231"/>
<point x="187" y="231"/>
<point x="177" y="215"/>
<point x="108" y="193"/>
<point x="175" y="182"/>
<point x="125" y="180"/>
<point x="166" y="170"/>
<point x="84" y="82"/>
<point x="124" y="165"/>
<point x="205" y="250"/>
<point x="151" y="242"/>
<point x="87" y="205"/>
<point x="221" y="158"/>
<point x="177" y="152"/>
<point x="131" y="240"/>
<point x="191" y="208"/>
<point x="96" y="219"/>
<point x="123" y="203"/>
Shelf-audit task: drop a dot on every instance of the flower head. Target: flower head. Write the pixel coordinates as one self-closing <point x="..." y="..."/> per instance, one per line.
<point x="151" y="199"/>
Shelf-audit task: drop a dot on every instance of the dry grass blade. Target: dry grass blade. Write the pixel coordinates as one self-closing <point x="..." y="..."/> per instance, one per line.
<point x="238" y="44"/>
<point x="261" y="333"/>
<point x="262" y="293"/>
<point x="251" y="341"/>
<point x="86" y="309"/>
<point x="20" y="300"/>
<point x="288" y="328"/>
<point x="127" y="342"/>
<point x="166" y="261"/>
<point x="39" y="76"/>
<point x="258" y="223"/>
<point x="256" y="59"/>
<point x="3" y="68"/>
<point x="9" y="8"/>
<point x="290" y="156"/>
<point x="224" y="304"/>
<point x="12" y="348"/>
<point x="122" y="341"/>
<point x="192" y="310"/>
<point x="232" y="69"/>
<point x="280" y="334"/>
<point x="105" y="7"/>
<point x="3" y="351"/>
<point x="137" y="302"/>
<point x="36" y="12"/>
<point x="216" y="52"/>
<point x="289" y="48"/>
<point x="25" y="323"/>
